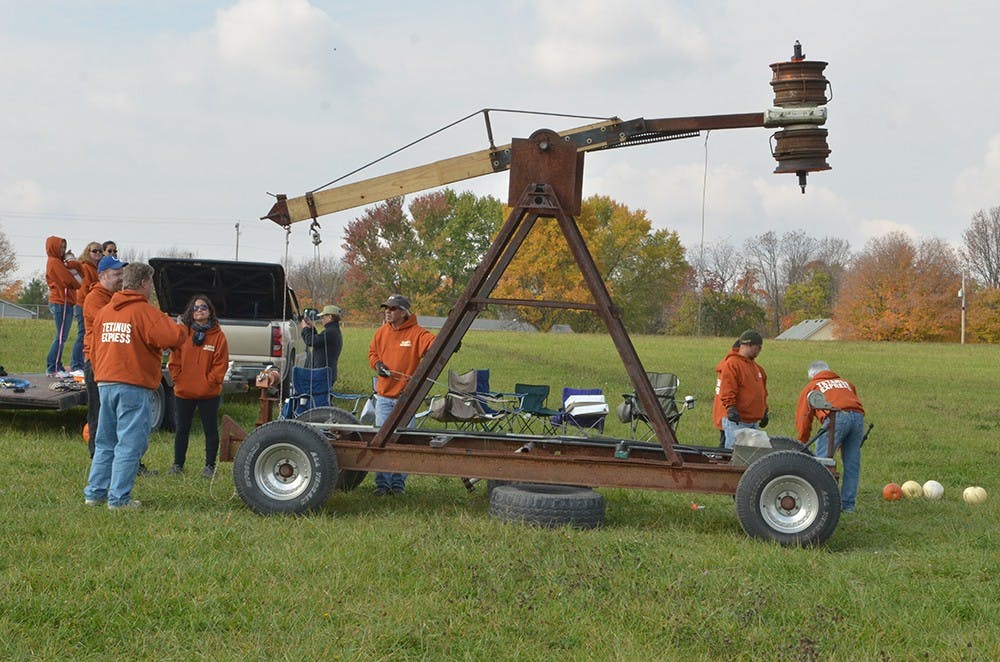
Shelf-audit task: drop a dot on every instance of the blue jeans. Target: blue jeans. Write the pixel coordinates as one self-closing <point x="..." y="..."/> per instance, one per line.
<point x="386" y="481"/>
<point x="729" y="429"/>
<point x="77" y="356"/>
<point x="62" y="315"/>
<point x="850" y="431"/>
<point x="122" y="438"/>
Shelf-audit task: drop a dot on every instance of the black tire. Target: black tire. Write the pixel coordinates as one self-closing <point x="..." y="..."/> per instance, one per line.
<point x="787" y="444"/>
<point x="159" y="410"/>
<point x="169" y="422"/>
<point x="789" y="498"/>
<point x="347" y="479"/>
<point x="285" y="467"/>
<point x="493" y="484"/>
<point x="548" y="505"/>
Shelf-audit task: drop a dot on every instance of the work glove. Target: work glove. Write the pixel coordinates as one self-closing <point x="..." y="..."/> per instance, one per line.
<point x="733" y="414"/>
<point x="763" y="422"/>
<point x="382" y="370"/>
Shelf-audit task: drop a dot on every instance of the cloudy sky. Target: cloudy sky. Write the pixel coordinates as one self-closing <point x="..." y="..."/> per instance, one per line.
<point x="164" y="123"/>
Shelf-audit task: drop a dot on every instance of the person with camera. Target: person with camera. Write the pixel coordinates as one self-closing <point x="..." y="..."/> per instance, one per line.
<point x="326" y="343"/>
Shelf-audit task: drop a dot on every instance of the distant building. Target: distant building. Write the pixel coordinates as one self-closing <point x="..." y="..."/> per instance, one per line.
<point x="479" y="324"/>
<point x="14" y="311"/>
<point x="821" y="329"/>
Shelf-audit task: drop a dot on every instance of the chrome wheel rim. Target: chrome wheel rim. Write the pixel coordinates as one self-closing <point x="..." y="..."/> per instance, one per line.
<point x="789" y="504"/>
<point x="283" y="472"/>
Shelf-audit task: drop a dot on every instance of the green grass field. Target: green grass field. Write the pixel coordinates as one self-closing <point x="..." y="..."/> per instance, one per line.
<point x="430" y="576"/>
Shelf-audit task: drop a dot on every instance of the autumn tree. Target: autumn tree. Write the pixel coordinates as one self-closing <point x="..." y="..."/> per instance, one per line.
<point x="982" y="247"/>
<point x="809" y="298"/>
<point x="899" y="290"/>
<point x="428" y="254"/>
<point x="8" y="261"/>
<point x="983" y="321"/>
<point x="643" y="269"/>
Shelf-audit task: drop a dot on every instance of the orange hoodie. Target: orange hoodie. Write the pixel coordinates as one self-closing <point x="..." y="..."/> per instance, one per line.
<point x="401" y="350"/>
<point x="198" y="371"/>
<point x="89" y="273"/>
<point x="839" y="392"/>
<point x="129" y="338"/>
<point x="62" y="283"/>
<point x="740" y="383"/>
<point x="97" y="298"/>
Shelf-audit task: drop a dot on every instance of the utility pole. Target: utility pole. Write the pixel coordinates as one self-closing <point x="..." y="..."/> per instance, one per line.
<point x="237" y="241"/>
<point x="961" y="295"/>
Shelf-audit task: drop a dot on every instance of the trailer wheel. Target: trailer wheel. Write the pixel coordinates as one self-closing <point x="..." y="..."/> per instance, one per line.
<point x="285" y="467"/>
<point x="347" y="479"/>
<point x="789" y="498"/>
<point x="547" y="505"/>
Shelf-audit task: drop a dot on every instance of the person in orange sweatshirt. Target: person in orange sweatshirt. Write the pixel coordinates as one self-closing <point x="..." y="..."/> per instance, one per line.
<point x="109" y="281"/>
<point x="849" y="431"/>
<point x="394" y="353"/>
<point x="198" y="368"/>
<point x="63" y="285"/>
<point x="129" y="339"/>
<point x="740" y="389"/>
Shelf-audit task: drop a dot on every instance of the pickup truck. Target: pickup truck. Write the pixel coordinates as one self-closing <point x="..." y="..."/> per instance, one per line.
<point x="257" y="310"/>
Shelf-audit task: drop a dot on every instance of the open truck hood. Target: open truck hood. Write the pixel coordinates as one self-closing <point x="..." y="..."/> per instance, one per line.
<point x="239" y="290"/>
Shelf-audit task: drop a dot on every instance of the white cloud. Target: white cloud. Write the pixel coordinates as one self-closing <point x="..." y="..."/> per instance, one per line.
<point x="589" y="38"/>
<point x="286" y="40"/>
<point x="978" y="187"/>
<point x="24" y="195"/>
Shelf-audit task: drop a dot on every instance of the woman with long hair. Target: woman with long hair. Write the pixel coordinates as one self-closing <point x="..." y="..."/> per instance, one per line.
<point x="198" y="368"/>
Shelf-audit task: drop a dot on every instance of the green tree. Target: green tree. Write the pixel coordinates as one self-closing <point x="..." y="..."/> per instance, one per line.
<point x="811" y="298"/>
<point x="34" y="293"/>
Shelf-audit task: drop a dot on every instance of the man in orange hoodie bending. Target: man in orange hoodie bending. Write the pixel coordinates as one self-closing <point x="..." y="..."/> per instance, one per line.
<point x="129" y="337"/>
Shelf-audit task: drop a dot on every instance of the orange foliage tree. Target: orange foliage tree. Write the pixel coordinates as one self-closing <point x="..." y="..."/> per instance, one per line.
<point x="899" y="290"/>
<point x="644" y="269"/>
<point x="983" y="321"/>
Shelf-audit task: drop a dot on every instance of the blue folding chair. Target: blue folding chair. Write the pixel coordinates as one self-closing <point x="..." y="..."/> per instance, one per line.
<point x="310" y="389"/>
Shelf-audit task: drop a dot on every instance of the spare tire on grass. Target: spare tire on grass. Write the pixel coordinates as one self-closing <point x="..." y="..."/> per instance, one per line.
<point x="548" y="505"/>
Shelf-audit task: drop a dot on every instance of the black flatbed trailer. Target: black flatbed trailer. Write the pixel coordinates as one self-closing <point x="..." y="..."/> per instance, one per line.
<point x="40" y="393"/>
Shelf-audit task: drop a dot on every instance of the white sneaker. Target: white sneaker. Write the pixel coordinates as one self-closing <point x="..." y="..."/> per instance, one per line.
<point x="76" y="373"/>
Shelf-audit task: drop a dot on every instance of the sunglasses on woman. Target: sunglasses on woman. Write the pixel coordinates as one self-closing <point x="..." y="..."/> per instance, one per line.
<point x="199" y="306"/>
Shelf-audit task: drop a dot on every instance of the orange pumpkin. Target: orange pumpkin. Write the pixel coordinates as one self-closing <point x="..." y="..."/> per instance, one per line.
<point x="892" y="492"/>
<point x="86" y="432"/>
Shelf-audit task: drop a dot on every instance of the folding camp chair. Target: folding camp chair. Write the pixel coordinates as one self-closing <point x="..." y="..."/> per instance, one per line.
<point x="464" y="406"/>
<point x="531" y="408"/>
<point x="583" y="408"/>
<point x="361" y="405"/>
<point x="631" y="411"/>
<point x="310" y="389"/>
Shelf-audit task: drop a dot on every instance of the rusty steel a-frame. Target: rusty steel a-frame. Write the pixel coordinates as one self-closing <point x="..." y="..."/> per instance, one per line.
<point x="545" y="182"/>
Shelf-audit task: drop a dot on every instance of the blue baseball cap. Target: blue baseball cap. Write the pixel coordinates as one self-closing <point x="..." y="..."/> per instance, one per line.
<point x="109" y="262"/>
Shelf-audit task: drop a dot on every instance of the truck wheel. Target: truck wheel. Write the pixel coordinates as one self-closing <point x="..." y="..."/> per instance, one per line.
<point x="285" y="467"/>
<point x="347" y="479"/>
<point x="789" y="498"/>
<point x="548" y="505"/>
<point x="159" y="408"/>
